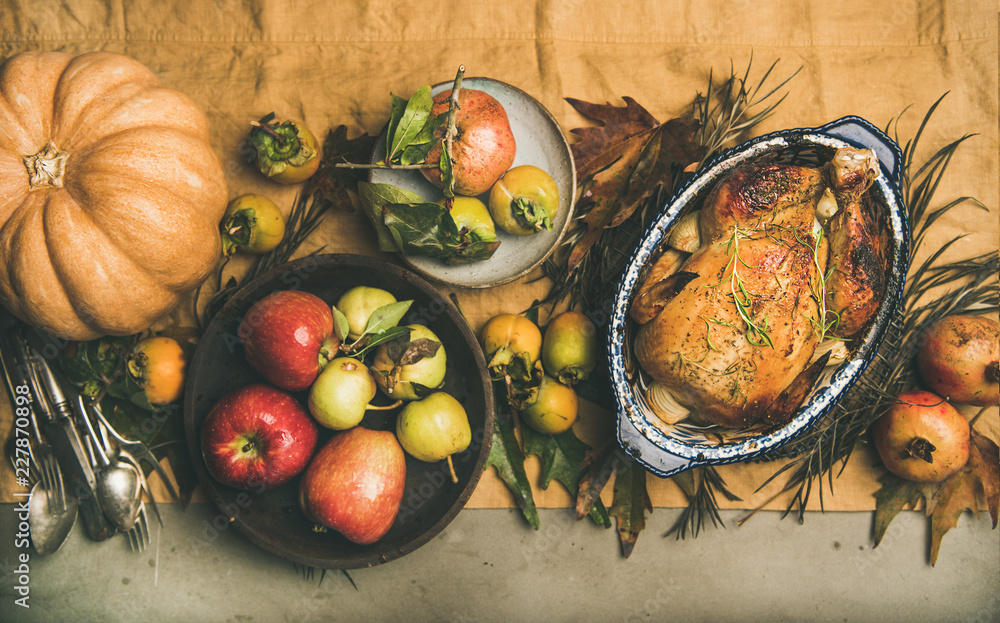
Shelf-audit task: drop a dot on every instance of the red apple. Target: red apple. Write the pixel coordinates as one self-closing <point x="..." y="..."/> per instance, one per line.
<point x="484" y="147"/>
<point x="354" y="484"/>
<point x="288" y="337"/>
<point x="257" y="438"/>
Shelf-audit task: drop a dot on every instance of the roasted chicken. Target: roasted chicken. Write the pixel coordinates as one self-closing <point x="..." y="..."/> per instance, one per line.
<point x="730" y="329"/>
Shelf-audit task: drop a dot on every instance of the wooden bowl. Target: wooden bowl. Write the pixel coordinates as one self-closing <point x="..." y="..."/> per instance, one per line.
<point x="272" y="519"/>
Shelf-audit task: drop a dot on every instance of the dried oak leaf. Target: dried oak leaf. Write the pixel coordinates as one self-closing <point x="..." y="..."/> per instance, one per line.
<point x="631" y="501"/>
<point x="945" y="501"/>
<point x="621" y="162"/>
<point x="595" y="470"/>
<point x="332" y="183"/>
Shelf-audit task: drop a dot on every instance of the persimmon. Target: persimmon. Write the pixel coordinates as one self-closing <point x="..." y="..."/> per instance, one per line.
<point x="252" y="224"/>
<point x="555" y="408"/>
<point x="159" y="365"/>
<point x="506" y="336"/>
<point x="570" y="348"/>
<point x="286" y="151"/>
<point x="524" y="201"/>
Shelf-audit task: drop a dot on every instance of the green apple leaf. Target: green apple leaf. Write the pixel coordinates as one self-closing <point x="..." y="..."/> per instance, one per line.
<point x="428" y="229"/>
<point x="341" y="325"/>
<point x="416" y="152"/>
<point x="363" y="345"/>
<point x="562" y="457"/>
<point x="407" y="121"/>
<point x="508" y="459"/>
<point x="386" y="316"/>
<point x="447" y="173"/>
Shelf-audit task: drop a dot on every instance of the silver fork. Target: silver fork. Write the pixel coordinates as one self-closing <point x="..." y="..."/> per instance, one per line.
<point x="19" y="372"/>
<point x="138" y="535"/>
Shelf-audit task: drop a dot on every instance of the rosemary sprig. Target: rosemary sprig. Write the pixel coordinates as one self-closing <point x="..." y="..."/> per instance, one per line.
<point x="725" y="116"/>
<point x="756" y="333"/>
<point x="700" y="485"/>
<point x="974" y="290"/>
<point x="821" y="324"/>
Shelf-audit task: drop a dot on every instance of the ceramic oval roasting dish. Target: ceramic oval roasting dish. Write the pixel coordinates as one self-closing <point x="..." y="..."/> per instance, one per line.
<point x="666" y="445"/>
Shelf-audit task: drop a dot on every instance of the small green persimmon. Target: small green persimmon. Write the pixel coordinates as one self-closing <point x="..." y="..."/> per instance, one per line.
<point x="524" y="201"/>
<point x="252" y="224"/>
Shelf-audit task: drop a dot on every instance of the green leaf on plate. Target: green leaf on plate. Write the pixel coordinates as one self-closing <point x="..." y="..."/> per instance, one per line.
<point x="411" y="121"/>
<point x="374" y="198"/>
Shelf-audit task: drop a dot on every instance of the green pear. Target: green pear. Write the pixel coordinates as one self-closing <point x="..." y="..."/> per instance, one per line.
<point x="406" y="381"/>
<point x="359" y="303"/>
<point x="340" y="395"/>
<point x="434" y="428"/>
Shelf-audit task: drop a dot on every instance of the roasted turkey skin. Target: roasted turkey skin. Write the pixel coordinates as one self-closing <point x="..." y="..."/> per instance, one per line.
<point x="736" y="323"/>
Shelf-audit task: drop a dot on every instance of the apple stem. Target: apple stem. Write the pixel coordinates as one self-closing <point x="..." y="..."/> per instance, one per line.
<point x="451" y="469"/>
<point x="371" y="407"/>
<point x="993" y="371"/>
<point x="248" y="447"/>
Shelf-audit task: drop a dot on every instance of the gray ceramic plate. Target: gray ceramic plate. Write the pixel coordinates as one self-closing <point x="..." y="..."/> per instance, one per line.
<point x="666" y="449"/>
<point x="541" y="142"/>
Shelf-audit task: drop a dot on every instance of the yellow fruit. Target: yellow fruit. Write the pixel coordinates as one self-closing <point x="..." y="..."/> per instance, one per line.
<point x="555" y="409"/>
<point x="159" y="365"/>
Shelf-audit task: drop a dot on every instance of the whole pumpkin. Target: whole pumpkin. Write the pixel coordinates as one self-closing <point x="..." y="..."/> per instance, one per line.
<point x="110" y="194"/>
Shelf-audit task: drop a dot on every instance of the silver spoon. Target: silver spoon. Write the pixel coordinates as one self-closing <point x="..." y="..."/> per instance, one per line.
<point x="118" y="486"/>
<point x="49" y="528"/>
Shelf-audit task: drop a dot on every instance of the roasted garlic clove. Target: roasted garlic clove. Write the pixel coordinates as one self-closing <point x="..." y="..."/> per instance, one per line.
<point x="826" y="207"/>
<point x="685" y="235"/>
<point x="665" y="405"/>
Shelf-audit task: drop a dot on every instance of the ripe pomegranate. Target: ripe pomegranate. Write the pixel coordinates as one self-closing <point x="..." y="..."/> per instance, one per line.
<point x="484" y="147"/>
<point x="960" y="359"/>
<point x="922" y="438"/>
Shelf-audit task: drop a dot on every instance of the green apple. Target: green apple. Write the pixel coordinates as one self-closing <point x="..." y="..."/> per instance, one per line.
<point x="359" y="303"/>
<point x="433" y="428"/>
<point x="409" y="381"/>
<point x="340" y="395"/>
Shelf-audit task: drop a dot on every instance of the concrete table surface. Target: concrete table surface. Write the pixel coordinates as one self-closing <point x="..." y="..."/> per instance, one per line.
<point x="488" y="565"/>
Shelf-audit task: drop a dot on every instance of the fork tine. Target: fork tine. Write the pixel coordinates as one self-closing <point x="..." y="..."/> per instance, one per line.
<point x="138" y="536"/>
<point x="52" y="479"/>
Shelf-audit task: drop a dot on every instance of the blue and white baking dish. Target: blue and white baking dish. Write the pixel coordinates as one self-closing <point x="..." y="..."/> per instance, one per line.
<point x="666" y="449"/>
